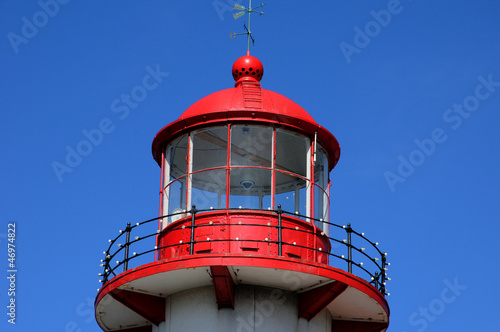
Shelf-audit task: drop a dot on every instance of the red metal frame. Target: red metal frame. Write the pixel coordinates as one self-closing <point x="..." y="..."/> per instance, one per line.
<point x="352" y="326"/>
<point x="162" y="191"/>
<point x="150" y="307"/>
<point x="273" y="172"/>
<point x="228" y="167"/>
<point x="315" y="300"/>
<point x="312" y="206"/>
<point x="223" y="285"/>
<point x="327" y="192"/>
<point x="189" y="170"/>
<point x="228" y="164"/>
<point x="311" y="167"/>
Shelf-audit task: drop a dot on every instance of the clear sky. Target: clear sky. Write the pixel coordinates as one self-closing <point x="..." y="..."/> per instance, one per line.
<point x="411" y="90"/>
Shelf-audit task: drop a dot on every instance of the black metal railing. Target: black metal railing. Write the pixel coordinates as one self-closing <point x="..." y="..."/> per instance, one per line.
<point x="354" y="247"/>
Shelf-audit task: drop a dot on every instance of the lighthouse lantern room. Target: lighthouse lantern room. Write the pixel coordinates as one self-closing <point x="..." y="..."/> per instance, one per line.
<point x="243" y="241"/>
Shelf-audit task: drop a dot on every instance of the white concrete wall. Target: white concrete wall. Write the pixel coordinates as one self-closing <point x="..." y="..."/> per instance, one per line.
<point x="257" y="309"/>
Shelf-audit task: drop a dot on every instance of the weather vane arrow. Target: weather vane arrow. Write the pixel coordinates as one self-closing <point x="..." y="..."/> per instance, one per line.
<point x="243" y="11"/>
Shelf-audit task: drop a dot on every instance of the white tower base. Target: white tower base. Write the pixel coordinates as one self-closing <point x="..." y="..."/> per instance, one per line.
<point x="255" y="309"/>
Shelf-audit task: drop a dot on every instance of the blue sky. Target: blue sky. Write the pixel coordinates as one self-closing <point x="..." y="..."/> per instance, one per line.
<point x="411" y="90"/>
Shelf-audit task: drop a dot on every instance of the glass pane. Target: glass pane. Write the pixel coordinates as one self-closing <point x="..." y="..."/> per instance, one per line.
<point x="175" y="193"/>
<point x="321" y="168"/>
<point x="251" y="145"/>
<point x="250" y="188"/>
<point x="291" y="152"/>
<point x="291" y="193"/>
<point x="321" y="179"/>
<point x="209" y="189"/>
<point x="209" y="148"/>
<point x="321" y="205"/>
<point x="176" y="157"/>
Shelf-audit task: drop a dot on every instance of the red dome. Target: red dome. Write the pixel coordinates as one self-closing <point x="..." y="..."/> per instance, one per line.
<point x="233" y="100"/>
<point x="247" y="102"/>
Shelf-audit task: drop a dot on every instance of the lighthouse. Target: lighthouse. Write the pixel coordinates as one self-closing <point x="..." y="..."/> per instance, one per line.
<point x="243" y="241"/>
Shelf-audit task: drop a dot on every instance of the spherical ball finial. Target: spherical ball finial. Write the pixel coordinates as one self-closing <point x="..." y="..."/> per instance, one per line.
<point x="248" y="66"/>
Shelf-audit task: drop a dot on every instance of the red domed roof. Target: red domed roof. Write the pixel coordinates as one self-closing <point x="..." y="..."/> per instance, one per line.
<point x="235" y="100"/>
<point x="247" y="102"/>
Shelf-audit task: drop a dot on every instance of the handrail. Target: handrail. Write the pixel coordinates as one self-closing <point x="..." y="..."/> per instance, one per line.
<point x="377" y="273"/>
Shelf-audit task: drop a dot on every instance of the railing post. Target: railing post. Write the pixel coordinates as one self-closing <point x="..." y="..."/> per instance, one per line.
<point x="193" y="212"/>
<point x="382" y="286"/>
<point x="280" y="243"/>
<point x="349" y="248"/>
<point x="127" y="240"/>
<point x="106" y="272"/>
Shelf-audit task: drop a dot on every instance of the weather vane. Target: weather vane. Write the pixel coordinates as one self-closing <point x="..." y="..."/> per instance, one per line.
<point x="239" y="14"/>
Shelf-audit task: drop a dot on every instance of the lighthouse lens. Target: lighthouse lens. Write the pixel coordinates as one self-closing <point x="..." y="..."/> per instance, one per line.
<point x="247" y="184"/>
<point x="250" y="188"/>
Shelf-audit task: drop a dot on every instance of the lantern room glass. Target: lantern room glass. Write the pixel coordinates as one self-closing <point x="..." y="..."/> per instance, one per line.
<point x="321" y="199"/>
<point x="245" y="166"/>
<point x="292" y="152"/>
<point x="251" y="146"/>
<point x="251" y="167"/>
<point x="209" y="148"/>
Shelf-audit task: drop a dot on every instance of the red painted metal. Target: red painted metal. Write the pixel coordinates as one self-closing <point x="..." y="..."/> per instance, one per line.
<point x="313" y="180"/>
<point x="223" y="285"/>
<point x="150" y="307"/>
<point x="248" y="67"/>
<point x="327" y="193"/>
<point x="254" y="260"/>
<point x="354" y="326"/>
<point x="312" y="204"/>
<point x="162" y="185"/>
<point x="238" y="231"/>
<point x="315" y="300"/>
<point x="230" y="105"/>
<point x="252" y="94"/>
<point x="189" y="170"/>
<point x="228" y="165"/>
<point x="273" y="173"/>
